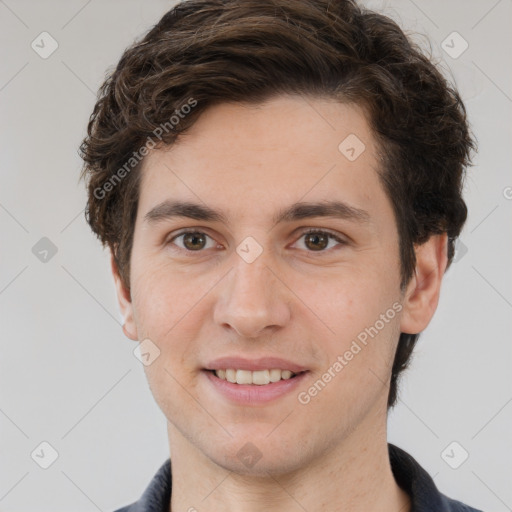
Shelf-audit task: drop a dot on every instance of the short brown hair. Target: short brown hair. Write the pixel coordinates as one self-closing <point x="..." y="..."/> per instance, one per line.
<point x="213" y="51"/>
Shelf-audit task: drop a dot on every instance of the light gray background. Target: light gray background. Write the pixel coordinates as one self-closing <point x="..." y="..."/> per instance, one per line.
<point x="68" y="374"/>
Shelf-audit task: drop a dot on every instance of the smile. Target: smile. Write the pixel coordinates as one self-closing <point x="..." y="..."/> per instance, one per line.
<point x="259" y="377"/>
<point x="252" y="388"/>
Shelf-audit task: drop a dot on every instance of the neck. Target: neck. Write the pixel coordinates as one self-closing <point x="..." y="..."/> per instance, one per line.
<point x="354" y="475"/>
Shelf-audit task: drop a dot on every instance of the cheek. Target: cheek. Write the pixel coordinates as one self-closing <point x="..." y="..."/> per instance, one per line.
<point x="170" y="309"/>
<point x="161" y="297"/>
<point x="356" y="372"/>
<point x="347" y="302"/>
<point x="362" y="310"/>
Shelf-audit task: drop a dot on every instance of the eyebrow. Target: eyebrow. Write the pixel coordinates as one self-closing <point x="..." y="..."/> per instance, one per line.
<point x="336" y="209"/>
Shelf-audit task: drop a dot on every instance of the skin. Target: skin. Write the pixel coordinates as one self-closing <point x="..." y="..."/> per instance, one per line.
<point x="295" y="302"/>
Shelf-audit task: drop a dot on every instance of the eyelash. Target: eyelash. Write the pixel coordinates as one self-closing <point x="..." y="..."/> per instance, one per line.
<point x="329" y="234"/>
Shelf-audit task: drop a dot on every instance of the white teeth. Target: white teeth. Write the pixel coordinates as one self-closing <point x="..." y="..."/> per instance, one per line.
<point x="275" y="375"/>
<point x="243" y="377"/>
<point x="259" y="377"/>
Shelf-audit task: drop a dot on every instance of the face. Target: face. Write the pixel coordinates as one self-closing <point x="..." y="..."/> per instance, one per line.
<point x="256" y="277"/>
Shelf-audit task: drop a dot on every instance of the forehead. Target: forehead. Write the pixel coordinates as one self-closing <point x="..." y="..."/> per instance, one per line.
<point x="280" y="151"/>
<point x="303" y="124"/>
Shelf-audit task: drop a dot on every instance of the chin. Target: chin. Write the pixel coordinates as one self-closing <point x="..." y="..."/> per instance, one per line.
<point x="263" y="468"/>
<point x="257" y="456"/>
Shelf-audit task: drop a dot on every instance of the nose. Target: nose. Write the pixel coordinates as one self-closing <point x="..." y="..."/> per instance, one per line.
<point x="252" y="300"/>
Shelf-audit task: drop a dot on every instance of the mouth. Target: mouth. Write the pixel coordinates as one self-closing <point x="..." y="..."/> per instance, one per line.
<point x="256" y="378"/>
<point x="255" y="381"/>
<point x="253" y="387"/>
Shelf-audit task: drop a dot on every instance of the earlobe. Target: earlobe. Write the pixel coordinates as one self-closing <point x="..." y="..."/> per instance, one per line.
<point x="422" y="294"/>
<point x="125" y="302"/>
<point x="129" y="332"/>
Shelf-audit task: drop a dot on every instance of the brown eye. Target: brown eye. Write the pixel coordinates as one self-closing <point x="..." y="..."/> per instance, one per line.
<point x="192" y="241"/>
<point x="316" y="241"/>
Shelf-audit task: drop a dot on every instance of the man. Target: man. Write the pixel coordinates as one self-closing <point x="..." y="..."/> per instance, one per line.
<point x="279" y="183"/>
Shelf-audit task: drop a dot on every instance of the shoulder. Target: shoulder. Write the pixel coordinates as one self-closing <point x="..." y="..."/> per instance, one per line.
<point x="156" y="497"/>
<point x="457" y="506"/>
<point x="413" y="479"/>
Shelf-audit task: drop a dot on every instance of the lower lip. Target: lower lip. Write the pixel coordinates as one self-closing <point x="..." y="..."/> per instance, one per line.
<point x="248" y="394"/>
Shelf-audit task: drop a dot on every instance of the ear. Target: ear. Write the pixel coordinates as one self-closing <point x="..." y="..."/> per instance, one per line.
<point x="125" y="302"/>
<point x="422" y="294"/>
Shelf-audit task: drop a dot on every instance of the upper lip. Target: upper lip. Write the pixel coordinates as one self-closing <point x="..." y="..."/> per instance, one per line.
<point x="260" y="363"/>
